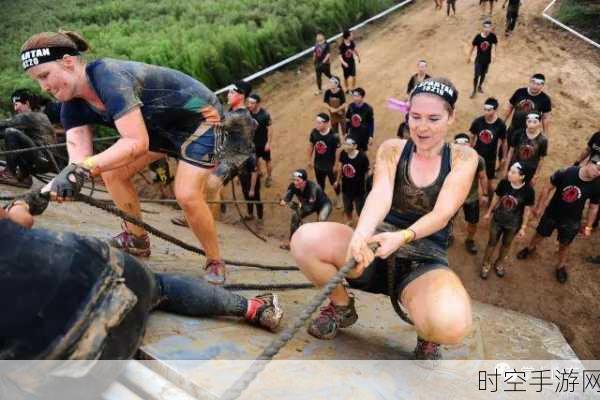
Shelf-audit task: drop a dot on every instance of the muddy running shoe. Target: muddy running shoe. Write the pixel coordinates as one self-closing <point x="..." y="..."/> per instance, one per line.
<point x="561" y="274"/>
<point x="500" y="271"/>
<point x="331" y="319"/>
<point x="471" y="246"/>
<point x="134" y="245"/>
<point x="264" y="310"/>
<point x="485" y="270"/>
<point x="180" y="221"/>
<point x="7" y="178"/>
<point x="524" y="253"/>
<point x="268" y="181"/>
<point x="216" y="272"/>
<point x="426" y="350"/>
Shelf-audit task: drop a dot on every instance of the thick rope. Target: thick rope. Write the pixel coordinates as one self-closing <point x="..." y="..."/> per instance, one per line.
<point x="150" y="229"/>
<point x="239" y="210"/>
<point x="240" y="385"/>
<point x="51" y="146"/>
<point x="268" y="286"/>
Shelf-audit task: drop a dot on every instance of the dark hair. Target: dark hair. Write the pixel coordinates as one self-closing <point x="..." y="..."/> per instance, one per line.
<point x="243" y="87"/>
<point x="449" y="107"/>
<point x="337" y="78"/>
<point x="302" y="173"/>
<point x="524" y="170"/>
<point x="323" y="116"/>
<point x="346" y="34"/>
<point x="539" y="76"/>
<point x="255" y="97"/>
<point x="360" y="91"/>
<point x="56" y="39"/>
<point x="24" y="95"/>
<point x="492" y="102"/>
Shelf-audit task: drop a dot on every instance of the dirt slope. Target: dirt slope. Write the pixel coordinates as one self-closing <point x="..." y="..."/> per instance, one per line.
<point x="389" y="51"/>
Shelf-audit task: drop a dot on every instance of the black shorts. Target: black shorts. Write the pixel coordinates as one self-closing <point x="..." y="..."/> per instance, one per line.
<point x="353" y="201"/>
<point x="490" y="168"/>
<point x="481" y="68"/>
<point x="567" y="230"/>
<point x="264" y="154"/>
<point x="350" y="70"/>
<point x="471" y="211"/>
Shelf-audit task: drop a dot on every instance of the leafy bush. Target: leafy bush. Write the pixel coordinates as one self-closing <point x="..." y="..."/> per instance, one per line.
<point x="581" y="15"/>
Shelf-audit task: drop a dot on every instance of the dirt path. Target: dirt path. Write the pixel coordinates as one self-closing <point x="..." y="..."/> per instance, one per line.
<point x="390" y="51"/>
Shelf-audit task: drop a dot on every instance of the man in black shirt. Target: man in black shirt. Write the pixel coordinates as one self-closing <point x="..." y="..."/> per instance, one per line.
<point x="335" y="99"/>
<point x="322" y="59"/>
<point x="569" y="190"/>
<point x="592" y="148"/>
<point x="527" y="99"/>
<point x="348" y="51"/>
<point x="511" y="206"/>
<point x="353" y="166"/>
<point x="417" y="78"/>
<point x="360" y="121"/>
<point x="322" y="151"/>
<point x="512" y="13"/>
<point x="28" y="128"/>
<point x="250" y="182"/>
<point x="488" y="134"/>
<point x="528" y="146"/>
<point x="311" y="197"/>
<point x="262" y="136"/>
<point x="485" y="45"/>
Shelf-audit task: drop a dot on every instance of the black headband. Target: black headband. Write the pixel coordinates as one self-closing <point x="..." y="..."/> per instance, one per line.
<point x="438" y="88"/>
<point x="31" y="58"/>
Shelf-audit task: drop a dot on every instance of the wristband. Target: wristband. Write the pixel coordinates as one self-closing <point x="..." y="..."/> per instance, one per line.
<point x="408" y="235"/>
<point x="89" y="163"/>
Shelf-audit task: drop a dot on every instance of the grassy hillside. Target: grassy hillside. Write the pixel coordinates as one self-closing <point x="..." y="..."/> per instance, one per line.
<point x="216" y="41"/>
<point x="581" y="15"/>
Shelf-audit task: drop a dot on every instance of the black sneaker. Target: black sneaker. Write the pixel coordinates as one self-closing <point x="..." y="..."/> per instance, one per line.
<point x="500" y="271"/>
<point x="524" y="253"/>
<point x="485" y="270"/>
<point x="561" y="274"/>
<point x="426" y="350"/>
<point x="471" y="246"/>
<point x="331" y="319"/>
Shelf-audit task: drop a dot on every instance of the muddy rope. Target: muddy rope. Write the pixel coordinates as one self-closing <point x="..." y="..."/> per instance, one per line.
<point x="239" y="210"/>
<point x="268" y="286"/>
<point x="52" y="146"/>
<point x="258" y="365"/>
<point x="115" y="211"/>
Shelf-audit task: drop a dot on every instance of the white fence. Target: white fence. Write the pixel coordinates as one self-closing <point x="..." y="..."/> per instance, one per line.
<point x="571" y="30"/>
<point x="310" y="50"/>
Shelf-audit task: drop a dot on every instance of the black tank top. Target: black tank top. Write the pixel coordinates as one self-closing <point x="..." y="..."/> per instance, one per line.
<point x="410" y="202"/>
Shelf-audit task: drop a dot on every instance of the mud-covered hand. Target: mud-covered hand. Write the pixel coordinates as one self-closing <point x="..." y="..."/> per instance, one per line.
<point x="36" y="202"/>
<point x="69" y="182"/>
<point x="389" y="242"/>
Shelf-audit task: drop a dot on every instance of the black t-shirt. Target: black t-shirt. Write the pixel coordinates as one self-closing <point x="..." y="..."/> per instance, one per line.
<point x="512" y="203"/>
<point x="52" y="111"/>
<point x="487" y="136"/>
<point x="528" y="151"/>
<point x="413" y="82"/>
<point x="594" y="144"/>
<point x="263" y="120"/>
<point x="325" y="147"/>
<point x="339" y="95"/>
<point x="347" y="51"/>
<point x="354" y="171"/>
<point x="514" y="4"/>
<point x="484" y="47"/>
<point x="524" y="103"/>
<point x="571" y="194"/>
<point x="360" y="124"/>
<point x="312" y="197"/>
<point x="321" y="51"/>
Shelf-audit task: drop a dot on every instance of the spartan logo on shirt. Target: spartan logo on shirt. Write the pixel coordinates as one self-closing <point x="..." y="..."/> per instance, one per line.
<point x="525" y="106"/>
<point x="348" y="54"/>
<point x="318" y="51"/>
<point x="484" y="46"/>
<point x="526" y="151"/>
<point x="486" y="136"/>
<point x="356" y="120"/>
<point x="571" y="194"/>
<point x="509" y="202"/>
<point x="320" y="147"/>
<point x="348" y="170"/>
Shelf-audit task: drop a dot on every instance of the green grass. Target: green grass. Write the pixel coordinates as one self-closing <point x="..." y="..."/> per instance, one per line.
<point x="216" y="41"/>
<point x="581" y="15"/>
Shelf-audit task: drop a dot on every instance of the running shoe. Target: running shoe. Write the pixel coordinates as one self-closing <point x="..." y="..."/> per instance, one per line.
<point x="7" y="178"/>
<point x="269" y="181"/>
<point x="331" y="319"/>
<point x="180" y="221"/>
<point x="561" y="274"/>
<point x="426" y="350"/>
<point x="485" y="270"/>
<point x="129" y="243"/>
<point x="500" y="271"/>
<point x="480" y="89"/>
<point x="216" y="272"/>
<point x="264" y="310"/>
<point x="471" y="246"/>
